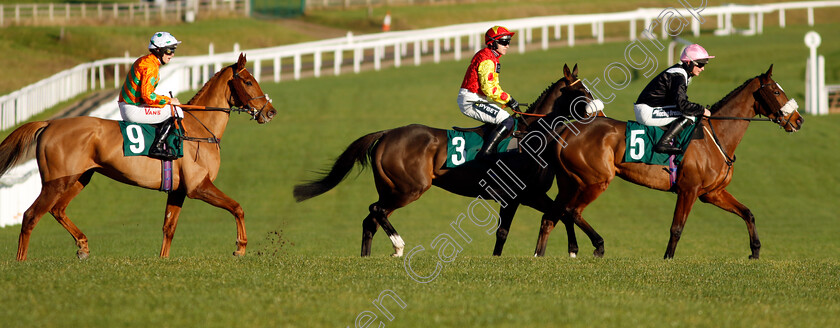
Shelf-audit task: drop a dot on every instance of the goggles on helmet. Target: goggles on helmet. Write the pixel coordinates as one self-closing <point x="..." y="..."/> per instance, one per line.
<point x="168" y="50"/>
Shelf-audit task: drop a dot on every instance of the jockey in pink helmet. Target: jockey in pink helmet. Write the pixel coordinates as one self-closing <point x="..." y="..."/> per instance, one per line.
<point x="663" y="101"/>
<point x="481" y="97"/>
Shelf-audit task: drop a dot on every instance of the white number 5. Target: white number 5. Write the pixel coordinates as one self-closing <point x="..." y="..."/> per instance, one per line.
<point x="637" y="144"/>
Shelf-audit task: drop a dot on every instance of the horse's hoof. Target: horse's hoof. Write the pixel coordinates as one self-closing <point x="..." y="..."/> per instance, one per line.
<point x="573" y="255"/>
<point x="753" y="257"/>
<point x="599" y="253"/>
<point x="82" y="255"/>
<point x="238" y="254"/>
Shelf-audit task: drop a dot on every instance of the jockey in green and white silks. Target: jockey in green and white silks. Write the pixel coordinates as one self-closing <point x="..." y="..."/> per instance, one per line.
<point x="664" y="101"/>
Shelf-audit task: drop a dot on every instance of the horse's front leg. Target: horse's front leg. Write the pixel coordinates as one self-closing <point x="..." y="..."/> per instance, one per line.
<point x="724" y="200"/>
<point x="506" y="214"/>
<point x="543" y="204"/>
<point x="174" y="203"/>
<point x="208" y="192"/>
<point x="685" y="200"/>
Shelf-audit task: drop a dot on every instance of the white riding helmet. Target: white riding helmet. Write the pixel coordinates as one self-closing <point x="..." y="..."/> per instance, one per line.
<point x="163" y="40"/>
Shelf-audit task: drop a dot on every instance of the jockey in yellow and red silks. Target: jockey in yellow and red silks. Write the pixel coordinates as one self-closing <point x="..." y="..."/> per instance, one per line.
<point x="138" y="101"/>
<point x="481" y="95"/>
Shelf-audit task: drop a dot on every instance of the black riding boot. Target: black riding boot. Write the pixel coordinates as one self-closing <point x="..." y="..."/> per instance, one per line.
<point x="665" y="143"/>
<point x="491" y="141"/>
<point x="159" y="147"/>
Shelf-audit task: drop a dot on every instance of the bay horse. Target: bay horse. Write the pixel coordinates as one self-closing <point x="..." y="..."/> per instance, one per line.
<point x="408" y="160"/>
<point x="593" y="155"/>
<point x="70" y="150"/>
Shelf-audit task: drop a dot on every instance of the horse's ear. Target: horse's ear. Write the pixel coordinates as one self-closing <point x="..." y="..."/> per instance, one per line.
<point x="242" y="60"/>
<point x="567" y="73"/>
<point x="769" y="71"/>
<point x="575" y="70"/>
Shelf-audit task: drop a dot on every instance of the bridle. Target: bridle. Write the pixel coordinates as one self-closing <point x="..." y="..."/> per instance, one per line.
<point x="763" y="96"/>
<point x="246" y="108"/>
<point x="542" y="115"/>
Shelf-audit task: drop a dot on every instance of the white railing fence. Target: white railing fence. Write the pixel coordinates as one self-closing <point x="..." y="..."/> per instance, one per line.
<point x="51" y="14"/>
<point x="189" y="73"/>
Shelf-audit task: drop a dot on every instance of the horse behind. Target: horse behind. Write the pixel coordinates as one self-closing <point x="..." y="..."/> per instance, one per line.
<point x="70" y="150"/>
<point x="407" y="161"/>
<point x="594" y="156"/>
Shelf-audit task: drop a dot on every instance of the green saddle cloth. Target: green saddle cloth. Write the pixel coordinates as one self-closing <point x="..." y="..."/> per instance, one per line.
<point x="641" y="138"/>
<point x="138" y="138"/>
<point x="462" y="147"/>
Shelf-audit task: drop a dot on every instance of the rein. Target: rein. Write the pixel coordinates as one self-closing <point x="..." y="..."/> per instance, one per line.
<point x="538" y="115"/>
<point x="248" y="109"/>
<point x="731" y="160"/>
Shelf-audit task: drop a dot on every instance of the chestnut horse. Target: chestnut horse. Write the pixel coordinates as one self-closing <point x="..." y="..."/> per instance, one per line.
<point x="591" y="158"/>
<point x="70" y="150"/>
<point x="407" y="161"/>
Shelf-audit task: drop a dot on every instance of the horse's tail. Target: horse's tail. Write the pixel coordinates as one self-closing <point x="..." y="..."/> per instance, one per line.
<point x="15" y="145"/>
<point x="358" y="151"/>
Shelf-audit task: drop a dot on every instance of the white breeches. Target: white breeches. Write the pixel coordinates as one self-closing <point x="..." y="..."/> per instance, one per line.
<point x="657" y="116"/>
<point x="146" y="114"/>
<point x="479" y="108"/>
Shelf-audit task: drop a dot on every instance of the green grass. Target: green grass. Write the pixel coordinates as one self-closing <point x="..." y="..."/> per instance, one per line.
<point x="302" y="268"/>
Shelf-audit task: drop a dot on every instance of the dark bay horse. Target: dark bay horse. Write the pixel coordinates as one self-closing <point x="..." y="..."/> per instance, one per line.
<point x="591" y="158"/>
<point x="70" y="150"/>
<point x="407" y="161"/>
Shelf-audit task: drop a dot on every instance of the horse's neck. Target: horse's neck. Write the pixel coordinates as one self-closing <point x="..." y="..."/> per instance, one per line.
<point x="543" y="105"/>
<point x="203" y="120"/>
<point x="729" y="131"/>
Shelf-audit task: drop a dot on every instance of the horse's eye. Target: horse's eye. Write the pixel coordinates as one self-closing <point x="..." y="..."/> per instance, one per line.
<point x="248" y="83"/>
<point x="776" y="92"/>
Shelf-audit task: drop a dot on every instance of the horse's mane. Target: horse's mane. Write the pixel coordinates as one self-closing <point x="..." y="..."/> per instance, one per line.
<point x="545" y="93"/>
<point x="731" y="95"/>
<point x="203" y="87"/>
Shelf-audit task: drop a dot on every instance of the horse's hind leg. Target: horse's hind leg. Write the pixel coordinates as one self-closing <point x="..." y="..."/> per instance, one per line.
<point x="174" y="202"/>
<point x="51" y="192"/>
<point x="208" y="192"/>
<point x="58" y="211"/>
<point x="369" y="227"/>
<point x="723" y="199"/>
<point x="381" y="215"/>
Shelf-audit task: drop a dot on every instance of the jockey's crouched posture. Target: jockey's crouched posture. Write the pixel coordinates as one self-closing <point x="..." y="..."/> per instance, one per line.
<point x="664" y="99"/>
<point x="481" y="83"/>
<point x="138" y="101"/>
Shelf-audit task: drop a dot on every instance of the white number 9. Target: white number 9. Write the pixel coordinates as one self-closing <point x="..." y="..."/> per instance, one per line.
<point x="135" y="135"/>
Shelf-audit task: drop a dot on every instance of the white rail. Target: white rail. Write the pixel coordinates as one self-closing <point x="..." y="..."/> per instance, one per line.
<point x="189" y="73"/>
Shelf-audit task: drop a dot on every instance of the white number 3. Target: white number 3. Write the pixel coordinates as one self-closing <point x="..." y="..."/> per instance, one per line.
<point x="460" y="157"/>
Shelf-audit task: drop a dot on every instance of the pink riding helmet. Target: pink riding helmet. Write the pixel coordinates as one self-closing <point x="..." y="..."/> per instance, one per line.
<point x="694" y="52"/>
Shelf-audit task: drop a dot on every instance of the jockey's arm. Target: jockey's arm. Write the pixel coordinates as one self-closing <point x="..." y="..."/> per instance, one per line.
<point x="488" y="81"/>
<point x="678" y="90"/>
